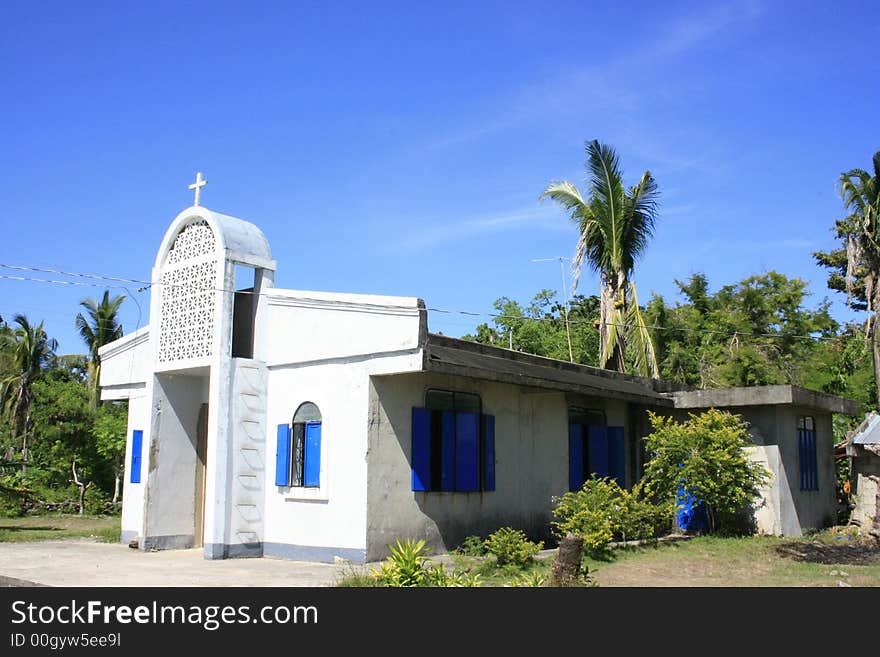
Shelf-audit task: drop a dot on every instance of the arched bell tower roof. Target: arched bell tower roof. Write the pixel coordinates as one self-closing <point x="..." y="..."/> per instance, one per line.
<point x="238" y="240"/>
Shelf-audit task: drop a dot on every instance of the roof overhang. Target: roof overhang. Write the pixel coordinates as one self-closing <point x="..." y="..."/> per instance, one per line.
<point x="763" y="396"/>
<point x="446" y="355"/>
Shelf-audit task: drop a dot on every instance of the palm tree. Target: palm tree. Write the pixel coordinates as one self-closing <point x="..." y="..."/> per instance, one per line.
<point x="101" y="327"/>
<point x="615" y="226"/>
<point x="29" y="350"/>
<point x="860" y="229"/>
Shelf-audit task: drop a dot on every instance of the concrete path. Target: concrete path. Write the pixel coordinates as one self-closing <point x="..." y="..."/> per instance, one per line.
<point x="85" y="563"/>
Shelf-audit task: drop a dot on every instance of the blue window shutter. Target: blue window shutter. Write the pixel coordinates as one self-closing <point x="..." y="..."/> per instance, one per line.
<point x="802" y="466"/>
<point x="282" y="456"/>
<point x="598" y="450"/>
<point x="137" y="439"/>
<point x="617" y="455"/>
<point x="467" y="452"/>
<point x="312" y="465"/>
<point x="488" y="452"/>
<point x="575" y="456"/>
<point x="814" y="469"/>
<point x="803" y="459"/>
<point x="420" y="456"/>
<point x="447" y="450"/>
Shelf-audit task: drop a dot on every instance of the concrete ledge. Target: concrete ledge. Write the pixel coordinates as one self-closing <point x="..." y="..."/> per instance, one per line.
<point x="313" y="553"/>
<point x="764" y="395"/>
<point x="127" y="536"/>
<point x="233" y="550"/>
<point x="172" y="542"/>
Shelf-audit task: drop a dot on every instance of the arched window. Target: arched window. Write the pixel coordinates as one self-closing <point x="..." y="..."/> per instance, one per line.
<point x="298" y="459"/>
<point x="305" y="467"/>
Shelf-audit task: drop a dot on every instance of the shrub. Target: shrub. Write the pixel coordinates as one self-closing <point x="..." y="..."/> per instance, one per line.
<point x="511" y="546"/>
<point x="704" y="453"/>
<point x="14" y="495"/>
<point x="602" y="511"/>
<point x="472" y="546"/>
<point x="533" y="579"/>
<point x="408" y="567"/>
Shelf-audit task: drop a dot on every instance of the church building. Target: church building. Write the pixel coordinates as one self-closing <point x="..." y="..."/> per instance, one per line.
<point x="317" y="425"/>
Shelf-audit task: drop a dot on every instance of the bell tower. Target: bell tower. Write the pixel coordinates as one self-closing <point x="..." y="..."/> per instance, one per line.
<point x="206" y="458"/>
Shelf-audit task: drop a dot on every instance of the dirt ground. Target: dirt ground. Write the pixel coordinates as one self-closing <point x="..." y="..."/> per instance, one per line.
<point x="852" y="553"/>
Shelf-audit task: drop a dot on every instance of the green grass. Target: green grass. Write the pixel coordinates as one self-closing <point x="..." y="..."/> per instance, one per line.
<point x="712" y="561"/>
<point x="699" y="562"/>
<point x="53" y="527"/>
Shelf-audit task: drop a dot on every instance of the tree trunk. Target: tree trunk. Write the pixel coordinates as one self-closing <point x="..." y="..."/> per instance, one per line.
<point x="82" y="488"/>
<point x="566" y="569"/>
<point x="116" y="478"/>
<point x="611" y="294"/>
<point x="875" y="350"/>
<point x="24" y="442"/>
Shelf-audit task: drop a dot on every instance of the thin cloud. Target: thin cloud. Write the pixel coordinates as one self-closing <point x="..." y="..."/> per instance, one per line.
<point x="600" y="88"/>
<point x="692" y="31"/>
<point x="545" y="218"/>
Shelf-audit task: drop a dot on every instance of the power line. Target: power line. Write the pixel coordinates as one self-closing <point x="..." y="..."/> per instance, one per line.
<point x="501" y="316"/>
<point x="60" y="272"/>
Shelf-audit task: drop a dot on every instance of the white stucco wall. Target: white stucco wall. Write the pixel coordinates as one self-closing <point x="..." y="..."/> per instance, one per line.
<point x="133" y="494"/>
<point x="322" y="349"/>
<point x="125" y="365"/>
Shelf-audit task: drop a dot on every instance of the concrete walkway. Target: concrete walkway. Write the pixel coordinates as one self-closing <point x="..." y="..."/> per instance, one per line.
<point x="85" y="563"/>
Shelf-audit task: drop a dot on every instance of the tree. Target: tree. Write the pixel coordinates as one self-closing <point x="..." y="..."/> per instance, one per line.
<point x="706" y="455"/>
<point x="855" y="266"/>
<point x="101" y="327"/>
<point x="615" y="226"/>
<point x="539" y="327"/>
<point x="109" y="433"/>
<point x="754" y="332"/>
<point x="29" y="350"/>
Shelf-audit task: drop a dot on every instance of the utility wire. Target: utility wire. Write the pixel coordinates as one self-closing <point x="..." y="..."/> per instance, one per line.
<point x="495" y="316"/>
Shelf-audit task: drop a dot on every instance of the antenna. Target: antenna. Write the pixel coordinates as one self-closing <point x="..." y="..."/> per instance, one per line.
<point x="561" y="259"/>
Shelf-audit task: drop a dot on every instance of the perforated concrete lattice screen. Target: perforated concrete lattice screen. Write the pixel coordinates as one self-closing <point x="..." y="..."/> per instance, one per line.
<point x="189" y="282"/>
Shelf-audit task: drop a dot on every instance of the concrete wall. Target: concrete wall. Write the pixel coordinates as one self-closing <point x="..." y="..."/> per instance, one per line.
<point x="784" y="509"/>
<point x="171" y="463"/>
<point x="309" y="326"/>
<point x="133" y="494"/>
<point x="866" y="490"/>
<point x="125" y="365"/>
<point x="323" y="349"/>
<point x="244" y="491"/>
<point x="531" y="451"/>
<point x="814" y="509"/>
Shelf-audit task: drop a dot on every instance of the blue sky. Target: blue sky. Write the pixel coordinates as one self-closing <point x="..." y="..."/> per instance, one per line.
<point x="400" y="149"/>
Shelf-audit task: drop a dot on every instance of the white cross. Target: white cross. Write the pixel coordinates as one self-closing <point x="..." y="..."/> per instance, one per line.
<point x="197" y="185"/>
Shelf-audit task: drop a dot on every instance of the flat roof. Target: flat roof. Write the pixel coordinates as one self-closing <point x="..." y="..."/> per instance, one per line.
<point x="447" y="355"/>
<point x="763" y="396"/>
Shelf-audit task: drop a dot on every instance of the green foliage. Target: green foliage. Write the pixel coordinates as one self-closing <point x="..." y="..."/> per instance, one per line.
<point x="602" y="511"/>
<point x="408" y="567"/>
<point x="100" y="327"/>
<point x="530" y="580"/>
<point x="14" y="495"/>
<point x="511" y="546"/>
<point x="707" y="453"/>
<point x="539" y="327"/>
<point x="615" y="224"/>
<point x="472" y="546"/>
<point x="405" y="566"/>
<point x="754" y="332"/>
